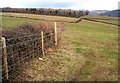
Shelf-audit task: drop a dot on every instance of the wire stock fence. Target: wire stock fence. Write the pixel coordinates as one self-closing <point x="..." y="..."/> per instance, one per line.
<point x="18" y="51"/>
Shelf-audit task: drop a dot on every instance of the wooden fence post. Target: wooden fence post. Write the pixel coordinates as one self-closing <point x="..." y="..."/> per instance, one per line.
<point x="55" y="33"/>
<point x="42" y="36"/>
<point x="5" y="65"/>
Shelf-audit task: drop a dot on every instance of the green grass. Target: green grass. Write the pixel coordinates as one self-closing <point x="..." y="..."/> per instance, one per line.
<point x="99" y="45"/>
<point x="113" y="20"/>
<point x="101" y="17"/>
<point x="87" y="51"/>
<point x="45" y="17"/>
<point x="9" y="22"/>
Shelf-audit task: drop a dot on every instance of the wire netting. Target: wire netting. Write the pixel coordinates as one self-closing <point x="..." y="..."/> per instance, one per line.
<point x="22" y="45"/>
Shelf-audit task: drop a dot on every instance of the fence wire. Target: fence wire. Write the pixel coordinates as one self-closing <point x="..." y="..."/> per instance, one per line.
<point x="20" y="51"/>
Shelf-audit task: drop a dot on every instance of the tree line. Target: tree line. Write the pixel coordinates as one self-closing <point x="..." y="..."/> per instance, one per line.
<point x="48" y="11"/>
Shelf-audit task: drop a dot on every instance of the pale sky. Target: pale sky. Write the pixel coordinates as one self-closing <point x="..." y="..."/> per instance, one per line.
<point x="62" y="4"/>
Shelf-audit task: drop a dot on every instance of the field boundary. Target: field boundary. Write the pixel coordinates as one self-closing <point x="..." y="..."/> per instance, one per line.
<point x="100" y="21"/>
<point x="24" y="48"/>
<point x="103" y="19"/>
<point x="43" y="19"/>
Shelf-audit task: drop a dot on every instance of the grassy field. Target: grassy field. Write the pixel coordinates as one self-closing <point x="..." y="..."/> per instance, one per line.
<point x="101" y="17"/>
<point x="44" y="17"/>
<point x="13" y="21"/>
<point x="87" y="51"/>
<point x="9" y="22"/>
<point x="113" y="20"/>
<point x="98" y="45"/>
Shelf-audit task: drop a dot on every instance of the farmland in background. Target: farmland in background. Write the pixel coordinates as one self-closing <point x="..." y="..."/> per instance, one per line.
<point x="101" y="17"/>
<point x="108" y="19"/>
<point x="41" y="17"/>
<point x="87" y="51"/>
<point x="9" y="22"/>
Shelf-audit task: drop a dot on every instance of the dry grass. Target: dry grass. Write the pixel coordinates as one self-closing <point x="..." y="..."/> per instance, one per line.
<point x="84" y="54"/>
<point x="88" y="51"/>
<point x="56" y="65"/>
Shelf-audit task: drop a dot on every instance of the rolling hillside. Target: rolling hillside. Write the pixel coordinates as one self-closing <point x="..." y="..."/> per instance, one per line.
<point x="111" y="13"/>
<point x="97" y="12"/>
<point x="87" y="51"/>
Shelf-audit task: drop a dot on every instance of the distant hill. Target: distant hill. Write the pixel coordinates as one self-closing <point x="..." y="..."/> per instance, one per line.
<point x="97" y="12"/>
<point x="111" y="13"/>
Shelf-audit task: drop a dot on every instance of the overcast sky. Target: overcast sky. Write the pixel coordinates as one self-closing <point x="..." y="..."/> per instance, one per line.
<point x="62" y="4"/>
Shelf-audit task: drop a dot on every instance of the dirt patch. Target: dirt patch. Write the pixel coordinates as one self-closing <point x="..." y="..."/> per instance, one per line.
<point x="78" y="73"/>
<point x="104" y="72"/>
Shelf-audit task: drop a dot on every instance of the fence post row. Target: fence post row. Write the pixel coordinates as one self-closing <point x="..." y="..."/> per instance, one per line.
<point x="55" y="33"/>
<point x="5" y="65"/>
<point x="42" y="36"/>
